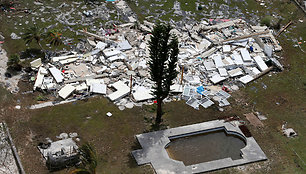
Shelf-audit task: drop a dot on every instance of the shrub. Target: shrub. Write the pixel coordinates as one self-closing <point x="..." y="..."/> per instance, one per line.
<point x="266" y="21"/>
<point x="200" y="7"/>
<point x="41" y="98"/>
<point x="14" y="63"/>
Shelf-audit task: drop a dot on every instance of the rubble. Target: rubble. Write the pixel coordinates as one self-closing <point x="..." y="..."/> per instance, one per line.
<point x="60" y="154"/>
<point x="15" y="36"/>
<point x="288" y="132"/>
<point x="213" y="60"/>
<point x="35" y="64"/>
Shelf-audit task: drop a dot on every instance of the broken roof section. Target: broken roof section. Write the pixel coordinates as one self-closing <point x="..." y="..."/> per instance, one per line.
<point x="121" y="91"/>
<point x="57" y="74"/>
<point x="66" y="91"/>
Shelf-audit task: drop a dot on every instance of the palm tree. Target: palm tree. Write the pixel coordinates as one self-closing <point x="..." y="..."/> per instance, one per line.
<point x="88" y="160"/>
<point x="33" y="33"/>
<point x="54" y="37"/>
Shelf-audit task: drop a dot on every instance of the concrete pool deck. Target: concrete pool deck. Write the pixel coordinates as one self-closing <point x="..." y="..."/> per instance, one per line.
<point x="153" y="149"/>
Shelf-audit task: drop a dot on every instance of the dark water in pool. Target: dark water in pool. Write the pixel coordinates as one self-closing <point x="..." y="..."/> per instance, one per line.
<point x="205" y="147"/>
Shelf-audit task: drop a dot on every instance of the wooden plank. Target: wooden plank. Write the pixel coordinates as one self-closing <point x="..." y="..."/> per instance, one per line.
<point x="253" y="120"/>
<point x="246" y="36"/>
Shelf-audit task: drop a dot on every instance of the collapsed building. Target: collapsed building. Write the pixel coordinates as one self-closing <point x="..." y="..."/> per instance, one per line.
<point x="60" y="154"/>
<point x="215" y="57"/>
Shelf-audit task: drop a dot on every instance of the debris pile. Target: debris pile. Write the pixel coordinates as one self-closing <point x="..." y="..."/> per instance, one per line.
<point x="60" y="154"/>
<point x="215" y="58"/>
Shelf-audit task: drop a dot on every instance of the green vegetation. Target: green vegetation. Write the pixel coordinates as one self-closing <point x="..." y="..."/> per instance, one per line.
<point x="266" y="21"/>
<point x="54" y="37"/>
<point x="14" y="63"/>
<point x="88" y="158"/>
<point x="5" y="96"/>
<point x="200" y="7"/>
<point x="41" y="98"/>
<point x="163" y="58"/>
<point x="112" y="137"/>
<point x="33" y="34"/>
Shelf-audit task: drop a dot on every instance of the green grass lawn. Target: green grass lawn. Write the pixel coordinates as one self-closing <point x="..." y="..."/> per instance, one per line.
<point x="284" y="100"/>
<point x="5" y="96"/>
<point x="18" y="22"/>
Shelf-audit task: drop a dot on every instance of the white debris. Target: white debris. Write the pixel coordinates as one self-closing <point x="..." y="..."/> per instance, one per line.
<point x="205" y="102"/>
<point x="14" y="36"/>
<point x="235" y="72"/>
<point x="222" y="72"/>
<point x="209" y="65"/>
<point x="73" y="135"/>
<point x="66" y="91"/>
<point x="101" y="45"/>
<point x="237" y="59"/>
<point x="289" y="132"/>
<point x="218" y="61"/>
<point x="260" y="63"/>
<point x="142" y="93"/>
<point x="124" y="45"/>
<point x="129" y="105"/>
<point x="65" y="147"/>
<point x="213" y="57"/>
<point x="223" y="102"/>
<point x="226" y="48"/>
<point x="56" y="74"/>
<point x="193" y="103"/>
<point x="176" y="88"/>
<point x="246" y="79"/>
<point x="56" y="59"/>
<point x="217" y="78"/>
<point x="35" y="64"/>
<point x="81" y="87"/>
<point x="39" y="78"/>
<point x="109" y="114"/>
<point x="98" y="88"/>
<point x="62" y="136"/>
<point x="245" y="55"/>
<point x="122" y="90"/>
<point x="111" y="52"/>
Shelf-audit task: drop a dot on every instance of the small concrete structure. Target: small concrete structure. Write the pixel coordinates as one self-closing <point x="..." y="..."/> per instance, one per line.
<point x="154" y="143"/>
<point x="60" y="154"/>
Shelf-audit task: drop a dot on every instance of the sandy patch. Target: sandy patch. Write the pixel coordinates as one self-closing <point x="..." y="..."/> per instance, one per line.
<point x="9" y="83"/>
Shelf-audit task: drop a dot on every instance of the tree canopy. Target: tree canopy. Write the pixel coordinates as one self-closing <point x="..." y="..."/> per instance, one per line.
<point x="33" y="34"/>
<point x="164" y="50"/>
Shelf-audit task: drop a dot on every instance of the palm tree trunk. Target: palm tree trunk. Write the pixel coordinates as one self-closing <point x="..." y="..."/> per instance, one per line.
<point x="159" y="111"/>
<point x="42" y="51"/>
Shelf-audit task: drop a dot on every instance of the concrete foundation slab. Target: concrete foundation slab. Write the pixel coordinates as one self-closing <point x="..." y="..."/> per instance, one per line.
<point x="154" y="143"/>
